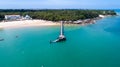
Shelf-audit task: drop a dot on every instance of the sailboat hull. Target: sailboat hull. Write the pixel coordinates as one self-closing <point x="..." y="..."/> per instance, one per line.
<point x="58" y="40"/>
<point x="61" y="39"/>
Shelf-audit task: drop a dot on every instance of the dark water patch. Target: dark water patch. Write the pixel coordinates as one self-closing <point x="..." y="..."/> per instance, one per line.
<point x="115" y="30"/>
<point x="113" y="26"/>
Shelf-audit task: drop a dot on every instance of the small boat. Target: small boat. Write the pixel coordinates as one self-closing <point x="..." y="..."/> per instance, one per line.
<point x="59" y="39"/>
<point x="61" y="36"/>
<point x="1" y="39"/>
<point x="16" y="36"/>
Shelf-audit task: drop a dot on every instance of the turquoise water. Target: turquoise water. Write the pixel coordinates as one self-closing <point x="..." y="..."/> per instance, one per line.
<point x="95" y="45"/>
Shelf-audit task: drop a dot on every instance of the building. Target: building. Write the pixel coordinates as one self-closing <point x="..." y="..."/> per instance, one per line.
<point x="101" y="16"/>
<point x="27" y="17"/>
<point x="17" y="17"/>
<point x="12" y="17"/>
<point x="78" y="22"/>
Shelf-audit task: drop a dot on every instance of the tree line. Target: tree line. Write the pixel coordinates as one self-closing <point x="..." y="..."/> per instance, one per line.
<point x="56" y="14"/>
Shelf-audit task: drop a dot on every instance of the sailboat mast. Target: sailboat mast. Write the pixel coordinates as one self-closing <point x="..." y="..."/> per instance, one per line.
<point x="62" y="28"/>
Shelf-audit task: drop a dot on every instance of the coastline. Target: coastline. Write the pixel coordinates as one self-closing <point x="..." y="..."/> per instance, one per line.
<point x="38" y="22"/>
<point x="20" y="18"/>
<point x="30" y="23"/>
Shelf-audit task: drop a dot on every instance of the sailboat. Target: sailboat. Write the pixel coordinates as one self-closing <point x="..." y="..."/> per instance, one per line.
<point x="61" y="36"/>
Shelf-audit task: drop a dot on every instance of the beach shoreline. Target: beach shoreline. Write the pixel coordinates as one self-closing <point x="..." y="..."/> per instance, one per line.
<point x="31" y="23"/>
<point x="27" y="23"/>
<point x="38" y="22"/>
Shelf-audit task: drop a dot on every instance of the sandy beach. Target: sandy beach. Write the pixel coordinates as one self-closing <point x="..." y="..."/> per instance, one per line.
<point x="24" y="23"/>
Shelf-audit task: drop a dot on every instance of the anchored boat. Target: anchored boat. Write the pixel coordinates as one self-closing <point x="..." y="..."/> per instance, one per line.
<point x="61" y="36"/>
<point x="1" y="39"/>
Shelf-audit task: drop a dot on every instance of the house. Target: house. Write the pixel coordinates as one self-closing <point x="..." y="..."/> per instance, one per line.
<point x="17" y="17"/>
<point x="27" y="17"/>
<point x="78" y="22"/>
<point x="12" y="17"/>
<point x="101" y="16"/>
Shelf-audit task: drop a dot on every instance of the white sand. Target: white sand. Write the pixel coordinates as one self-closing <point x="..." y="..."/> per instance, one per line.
<point x="12" y="24"/>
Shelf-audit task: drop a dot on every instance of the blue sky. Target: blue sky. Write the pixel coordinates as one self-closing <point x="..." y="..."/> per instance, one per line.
<point x="59" y="4"/>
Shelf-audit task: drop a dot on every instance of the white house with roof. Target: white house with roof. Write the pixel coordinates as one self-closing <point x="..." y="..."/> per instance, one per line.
<point x="27" y="17"/>
<point x="102" y="16"/>
<point x="17" y="17"/>
<point x="12" y="17"/>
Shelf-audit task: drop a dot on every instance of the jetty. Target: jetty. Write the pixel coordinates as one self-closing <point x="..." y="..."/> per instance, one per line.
<point x="61" y="36"/>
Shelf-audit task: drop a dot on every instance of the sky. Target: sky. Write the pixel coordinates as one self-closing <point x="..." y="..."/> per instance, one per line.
<point x="59" y="4"/>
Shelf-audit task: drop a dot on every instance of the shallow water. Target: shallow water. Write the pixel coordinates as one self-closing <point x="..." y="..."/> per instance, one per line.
<point x="95" y="45"/>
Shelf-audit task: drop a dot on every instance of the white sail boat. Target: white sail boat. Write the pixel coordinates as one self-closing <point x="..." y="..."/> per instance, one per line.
<point x="61" y="36"/>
